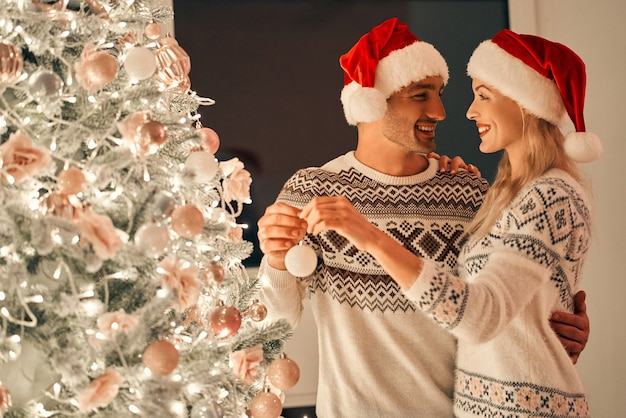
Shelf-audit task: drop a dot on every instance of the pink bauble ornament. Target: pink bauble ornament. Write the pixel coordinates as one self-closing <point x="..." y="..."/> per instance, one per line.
<point x="152" y="239"/>
<point x="187" y="221"/>
<point x="71" y="181"/>
<point x="210" y="139"/>
<point x="11" y="63"/>
<point x="266" y="405"/>
<point x="202" y="165"/>
<point x="161" y="357"/>
<point x="173" y="64"/>
<point x="131" y="124"/>
<point x="95" y="69"/>
<point x="140" y="63"/>
<point x="153" y="30"/>
<point x="225" y="321"/>
<point x="215" y="273"/>
<point x="96" y="7"/>
<point x="257" y="311"/>
<point x="283" y="373"/>
<point x="152" y="135"/>
<point x="183" y="85"/>
<point x="301" y="260"/>
<point x="5" y="399"/>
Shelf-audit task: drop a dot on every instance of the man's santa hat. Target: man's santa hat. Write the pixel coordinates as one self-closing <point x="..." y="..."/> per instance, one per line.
<point x="546" y="78"/>
<point x="383" y="61"/>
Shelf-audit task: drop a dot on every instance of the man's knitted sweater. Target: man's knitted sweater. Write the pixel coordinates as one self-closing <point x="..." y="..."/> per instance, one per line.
<point x="510" y="363"/>
<point x="380" y="356"/>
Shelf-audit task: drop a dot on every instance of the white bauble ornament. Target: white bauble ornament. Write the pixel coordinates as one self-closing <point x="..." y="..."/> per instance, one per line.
<point x="202" y="165"/>
<point x="301" y="261"/>
<point x="140" y="63"/>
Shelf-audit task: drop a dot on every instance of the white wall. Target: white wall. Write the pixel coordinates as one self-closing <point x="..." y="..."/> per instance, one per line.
<point x="596" y="31"/>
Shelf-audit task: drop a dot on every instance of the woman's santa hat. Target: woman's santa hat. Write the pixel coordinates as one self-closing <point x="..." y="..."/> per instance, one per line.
<point x="546" y="78"/>
<point x="383" y="61"/>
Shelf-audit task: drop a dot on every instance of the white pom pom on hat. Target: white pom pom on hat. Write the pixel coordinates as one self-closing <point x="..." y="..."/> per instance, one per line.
<point x="546" y="78"/>
<point x="583" y="147"/>
<point x="383" y="61"/>
<point x="362" y="104"/>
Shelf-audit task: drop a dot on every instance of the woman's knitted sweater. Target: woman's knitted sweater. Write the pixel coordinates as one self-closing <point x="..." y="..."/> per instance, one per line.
<point x="510" y="362"/>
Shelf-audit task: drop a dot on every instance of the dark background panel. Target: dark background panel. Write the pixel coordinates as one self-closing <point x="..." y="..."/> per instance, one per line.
<point x="456" y="28"/>
<point x="272" y="68"/>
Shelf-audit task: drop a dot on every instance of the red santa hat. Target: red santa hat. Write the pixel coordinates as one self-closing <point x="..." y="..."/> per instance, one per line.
<point x="546" y="78"/>
<point x="383" y="61"/>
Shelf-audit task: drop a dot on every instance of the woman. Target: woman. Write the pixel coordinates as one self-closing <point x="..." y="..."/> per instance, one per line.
<point x="526" y="248"/>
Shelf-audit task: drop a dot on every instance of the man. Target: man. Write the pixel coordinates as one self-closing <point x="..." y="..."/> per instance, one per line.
<point x="379" y="356"/>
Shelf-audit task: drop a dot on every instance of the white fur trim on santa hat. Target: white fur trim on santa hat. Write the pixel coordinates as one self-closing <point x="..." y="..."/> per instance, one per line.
<point x="583" y="147"/>
<point x="400" y="68"/>
<point x="412" y="63"/>
<point x="516" y="80"/>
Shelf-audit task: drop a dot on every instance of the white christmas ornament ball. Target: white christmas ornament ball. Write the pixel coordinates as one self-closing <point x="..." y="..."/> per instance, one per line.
<point x="203" y="165"/>
<point x="140" y="63"/>
<point x="301" y="261"/>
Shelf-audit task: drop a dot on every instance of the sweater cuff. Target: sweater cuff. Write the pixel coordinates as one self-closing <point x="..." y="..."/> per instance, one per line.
<point x="421" y="284"/>
<point x="275" y="278"/>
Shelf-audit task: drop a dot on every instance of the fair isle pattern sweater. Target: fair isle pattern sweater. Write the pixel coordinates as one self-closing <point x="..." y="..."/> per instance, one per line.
<point x="510" y="363"/>
<point x="379" y="355"/>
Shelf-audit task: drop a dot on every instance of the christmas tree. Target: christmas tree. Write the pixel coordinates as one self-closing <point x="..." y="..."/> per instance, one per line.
<point x="122" y="291"/>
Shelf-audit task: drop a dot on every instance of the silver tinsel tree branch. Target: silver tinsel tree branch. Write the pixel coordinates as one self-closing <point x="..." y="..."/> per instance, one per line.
<point x="122" y="289"/>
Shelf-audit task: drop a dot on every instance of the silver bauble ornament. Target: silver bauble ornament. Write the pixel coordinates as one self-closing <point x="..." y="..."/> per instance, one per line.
<point x="44" y="83"/>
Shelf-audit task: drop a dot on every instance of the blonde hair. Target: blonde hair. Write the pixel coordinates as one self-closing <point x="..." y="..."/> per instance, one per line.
<point x="544" y="151"/>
